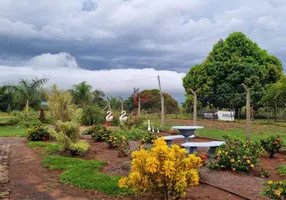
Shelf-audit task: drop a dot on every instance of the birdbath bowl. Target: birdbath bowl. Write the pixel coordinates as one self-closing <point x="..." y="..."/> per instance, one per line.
<point x="187" y="131"/>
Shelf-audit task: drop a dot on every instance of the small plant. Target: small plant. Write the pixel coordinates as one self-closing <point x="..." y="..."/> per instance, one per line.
<point x="272" y="144"/>
<point x="149" y="138"/>
<point x="264" y="173"/>
<point x="99" y="132"/>
<point x="134" y="121"/>
<point x="204" y="157"/>
<point x="114" y="140"/>
<point x="124" y="147"/>
<point x="39" y="134"/>
<point x="68" y="135"/>
<point x="42" y="117"/>
<point x="164" y="171"/>
<point x="79" y="148"/>
<point x="275" y="190"/>
<point x="282" y="170"/>
<point x="237" y="155"/>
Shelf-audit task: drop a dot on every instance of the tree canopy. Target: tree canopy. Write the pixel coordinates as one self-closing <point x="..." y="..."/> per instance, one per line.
<point x="153" y="102"/>
<point x="276" y="93"/>
<point x="28" y="90"/>
<point x="231" y="62"/>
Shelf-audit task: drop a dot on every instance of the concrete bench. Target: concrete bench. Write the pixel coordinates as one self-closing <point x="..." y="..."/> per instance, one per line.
<point x="191" y="147"/>
<point x="169" y="138"/>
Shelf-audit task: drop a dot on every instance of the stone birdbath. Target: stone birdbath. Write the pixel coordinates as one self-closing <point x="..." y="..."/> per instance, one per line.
<point x="187" y="131"/>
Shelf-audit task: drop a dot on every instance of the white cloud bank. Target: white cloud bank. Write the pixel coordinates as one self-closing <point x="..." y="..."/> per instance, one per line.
<point x="62" y="69"/>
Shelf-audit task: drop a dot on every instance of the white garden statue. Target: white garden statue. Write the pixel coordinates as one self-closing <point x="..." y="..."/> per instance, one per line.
<point x="149" y="125"/>
<point x="109" y="116"/>
<point x="123" y="116"/>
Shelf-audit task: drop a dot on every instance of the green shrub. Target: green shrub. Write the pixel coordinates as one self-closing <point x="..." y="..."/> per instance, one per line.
<point x="39" y="134"/>
<point x="275" y="190"/>
<point x="21" y="118"/>
<point x="60" y="105"/>
<point x="119" y="142"/>
<point x="149" y="138"/>
<point x="133" y="121"/>
<point x="70" y="129"/>
<point x="132" y="133"/>
<point x="87" y="131"/>
<point x="237" y="155"/>
<point x="79" y="148"/>
<point x="68" y="135"/>
<point x="272" y="144"/>
<point x="92" y="114"/>
<point x="99" y="132"/>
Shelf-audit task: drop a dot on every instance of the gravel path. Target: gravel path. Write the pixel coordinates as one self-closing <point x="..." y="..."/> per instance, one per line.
<point x="245" y="185"/>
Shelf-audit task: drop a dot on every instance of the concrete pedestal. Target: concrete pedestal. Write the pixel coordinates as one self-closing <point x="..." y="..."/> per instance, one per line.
<point x="108" y="123"/>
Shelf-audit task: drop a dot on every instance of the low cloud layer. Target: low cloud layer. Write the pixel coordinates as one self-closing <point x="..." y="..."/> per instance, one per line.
<point x="62" y="69"/>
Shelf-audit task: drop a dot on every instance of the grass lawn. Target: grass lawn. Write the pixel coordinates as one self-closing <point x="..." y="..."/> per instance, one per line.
<point x="12" y="131"/>
<point x="85" y="174"/>
<point x="282" y="170"/>
<point x="239" y="133"/>
<point x="45" y="147"/>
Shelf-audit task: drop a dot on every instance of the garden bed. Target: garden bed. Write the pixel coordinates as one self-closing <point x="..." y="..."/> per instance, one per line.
<point x="30" y="180"/>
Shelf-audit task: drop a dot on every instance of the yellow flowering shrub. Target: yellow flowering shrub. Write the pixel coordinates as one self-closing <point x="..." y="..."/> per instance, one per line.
<point x="275" y="190"/>
<point x="237" y="155"/>
<point x="162" y="171"/>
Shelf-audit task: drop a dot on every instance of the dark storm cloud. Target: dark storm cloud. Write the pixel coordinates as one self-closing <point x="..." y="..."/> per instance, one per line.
<point x="43" y="38"/>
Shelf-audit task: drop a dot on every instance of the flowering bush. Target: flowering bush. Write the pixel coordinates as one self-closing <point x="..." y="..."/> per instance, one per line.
<point x="237" y="155"/>
<point x="118" y="142"/>
<point x="39" y="134"/>
<point x="163" y="170"/>
<point x="99" y="132"/>
<point x="149" y="138"/>
<point x="275" y="190"/>
<point x="272" y="144"/>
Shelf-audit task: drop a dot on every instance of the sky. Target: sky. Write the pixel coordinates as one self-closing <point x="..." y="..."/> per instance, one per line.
<point x="116" y="45"/>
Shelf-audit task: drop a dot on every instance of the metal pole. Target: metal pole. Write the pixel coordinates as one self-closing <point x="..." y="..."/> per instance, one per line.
<point x="121" y="100"/>
<point x="195" y="108"/>
<point x="247" y="90"/>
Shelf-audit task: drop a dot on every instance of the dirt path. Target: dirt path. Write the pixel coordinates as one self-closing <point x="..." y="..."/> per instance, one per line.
<point x="30" y="181"/>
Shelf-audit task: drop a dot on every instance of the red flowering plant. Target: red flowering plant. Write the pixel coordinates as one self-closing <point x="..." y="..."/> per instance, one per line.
<point x="39" y="134"/>
<point x="272" y="144"/>
<point x="203" y="157"/>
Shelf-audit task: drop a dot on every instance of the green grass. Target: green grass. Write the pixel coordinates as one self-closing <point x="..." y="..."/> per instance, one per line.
<point x="12" y="131"/>
<point x="85" y="174"/>
<point x="4" y="114"/>
<point x="45" y="147"/>
<point x="282" y="170"/>
<point x="238" y="133"/>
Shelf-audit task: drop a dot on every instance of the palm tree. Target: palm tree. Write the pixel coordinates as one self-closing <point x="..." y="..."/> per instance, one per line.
<point x="29" y="92"/>
<point x="82" y="93"/>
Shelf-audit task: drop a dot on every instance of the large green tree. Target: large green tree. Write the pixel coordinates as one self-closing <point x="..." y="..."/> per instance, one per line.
<point x="28" y="91"/>
<point x="275" y="95"/>
<point x="233" y="61"/>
